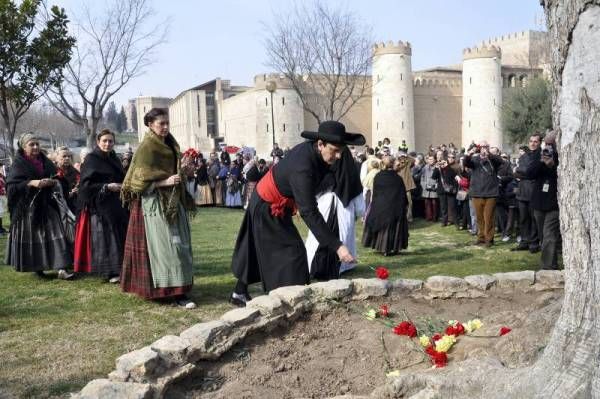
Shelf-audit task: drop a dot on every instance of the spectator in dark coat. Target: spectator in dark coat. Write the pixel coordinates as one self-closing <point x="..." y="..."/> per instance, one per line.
<point x="527" y="225"/>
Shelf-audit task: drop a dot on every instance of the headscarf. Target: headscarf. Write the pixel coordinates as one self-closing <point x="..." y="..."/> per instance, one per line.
<point x="367" y="182"/>
<point x="25" y="138"/>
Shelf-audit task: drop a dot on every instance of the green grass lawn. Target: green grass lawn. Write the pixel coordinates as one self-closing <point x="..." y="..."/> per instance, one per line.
<point x="55" y="335"/>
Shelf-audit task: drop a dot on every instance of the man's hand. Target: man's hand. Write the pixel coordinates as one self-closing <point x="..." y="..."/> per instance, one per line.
<point x="344" y="254"/>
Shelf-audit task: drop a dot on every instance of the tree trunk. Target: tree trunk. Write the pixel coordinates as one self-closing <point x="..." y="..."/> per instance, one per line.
<point x="571" y="361"/>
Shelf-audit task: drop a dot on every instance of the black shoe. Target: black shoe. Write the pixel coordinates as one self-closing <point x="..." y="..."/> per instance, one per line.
<point x="534" y="250"/>
<point x="520" y="248"/>
<point x="239" y="300"/>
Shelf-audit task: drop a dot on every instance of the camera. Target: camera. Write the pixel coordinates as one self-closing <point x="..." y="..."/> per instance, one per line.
<point x="548" y="151"/>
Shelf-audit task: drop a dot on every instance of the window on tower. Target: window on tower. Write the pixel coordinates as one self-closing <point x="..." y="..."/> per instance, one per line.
<point x="470" y="80"/>
<point x="284" y="127"/>
<point x="282" y="100"/>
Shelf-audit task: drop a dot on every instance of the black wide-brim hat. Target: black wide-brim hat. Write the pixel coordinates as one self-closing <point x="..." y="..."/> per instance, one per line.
<point x="335" y="133"/>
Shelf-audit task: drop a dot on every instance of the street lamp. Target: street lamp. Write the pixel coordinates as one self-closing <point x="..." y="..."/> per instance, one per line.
<point x="271" y="87"/>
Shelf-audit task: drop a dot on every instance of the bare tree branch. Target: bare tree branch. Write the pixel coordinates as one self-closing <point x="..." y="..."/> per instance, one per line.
<point x="325" y="54"/>
<point x="115" y="46"/>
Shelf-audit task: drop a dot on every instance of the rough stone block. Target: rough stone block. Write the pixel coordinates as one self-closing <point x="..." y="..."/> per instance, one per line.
<point x="523" y="279"/>
<point x="292" y="295"/>
<point x="172" y="349"/>
<point x="550" y="278"/>
<point x="446" y="284"/>
<point x="333" y="289"/>
<point x="267" y="305"/>
<point x="481" y="281"/>
<point x="138" y="365"/>
<point x="104" y="388"/>
<point x="171" y="377"/>
<point x="205" y="338"/>
<point x="241" y="316"/>
<point x="369" y="287"/>
<point x="406" y="286"/>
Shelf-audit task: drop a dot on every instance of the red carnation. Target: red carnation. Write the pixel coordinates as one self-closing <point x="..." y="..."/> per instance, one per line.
<point x="384" y="310"/>
<point x="406" y="328"/>
<point x="382" y="273"/>
<point x="455" y="330"/>
<point x="439" y="359"/>
<point x="504" y="331"/>
<point x="436" y="337"/>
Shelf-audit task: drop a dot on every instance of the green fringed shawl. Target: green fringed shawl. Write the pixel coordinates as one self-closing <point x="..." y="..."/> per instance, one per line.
<point x="153" y="161"/>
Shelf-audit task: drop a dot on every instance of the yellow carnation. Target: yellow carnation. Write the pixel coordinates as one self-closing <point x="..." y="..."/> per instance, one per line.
<point x="394" y="373"/>
<point x="468" y="328"/>
<point x="371" y="314"/>
<point x="476" y="324"/>
<point x="424" y="341"/>
<point x="445" y="343"/>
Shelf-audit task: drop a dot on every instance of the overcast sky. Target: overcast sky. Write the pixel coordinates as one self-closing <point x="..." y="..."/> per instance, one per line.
<point x="224" y="38"/>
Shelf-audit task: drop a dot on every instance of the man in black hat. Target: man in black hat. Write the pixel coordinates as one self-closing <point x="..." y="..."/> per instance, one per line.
<point x="269" y="248"/>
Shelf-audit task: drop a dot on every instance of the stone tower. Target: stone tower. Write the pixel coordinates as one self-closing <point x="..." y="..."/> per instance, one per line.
<point x="392" y="94"/>
<point x="482" y="96"/>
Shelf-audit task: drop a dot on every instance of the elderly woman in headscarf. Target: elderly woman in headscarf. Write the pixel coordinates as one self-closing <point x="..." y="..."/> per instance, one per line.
<point x="340" y="202"/>
<point x="204" y="194"/>
<point x="386" y="225"/>
<point x="373" y="167"/>
<point x="102" y="224"/>
<point x="67" y="176"/>
<point x="37" y="239"/>
<point x="158" y="253"/>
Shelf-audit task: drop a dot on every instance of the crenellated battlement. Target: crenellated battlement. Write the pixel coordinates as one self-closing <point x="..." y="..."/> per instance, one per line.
<point x="436" y="82"/>
<point x="260" y="81"/>
<point x="391" y="47"/>
<point x="484" y="51"/>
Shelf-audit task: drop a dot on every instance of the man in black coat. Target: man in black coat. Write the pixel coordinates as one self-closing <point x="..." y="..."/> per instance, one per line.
<point x="527" y="225"/>
<point x="544" y="202"/>
<point x="269" y="248"/>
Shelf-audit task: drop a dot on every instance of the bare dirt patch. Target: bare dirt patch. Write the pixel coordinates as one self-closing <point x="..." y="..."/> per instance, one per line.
<point x="337" y="351"/>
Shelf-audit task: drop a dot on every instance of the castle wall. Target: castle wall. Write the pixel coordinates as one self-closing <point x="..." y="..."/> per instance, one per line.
<point x="238" y="124"/>
<point x="527" y="48"/>
<point x="438" y="113"/>
<point x="482" y="96"/>
<point x="145" y="104"/>
<point x="187" y="114"/>
<point x="392" y="94"/>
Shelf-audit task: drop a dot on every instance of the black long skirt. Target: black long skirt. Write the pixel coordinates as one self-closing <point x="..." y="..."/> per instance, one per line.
<point x="32" y="248"/>
<point x="269" y="249"/>
<point x="391" y="239"/>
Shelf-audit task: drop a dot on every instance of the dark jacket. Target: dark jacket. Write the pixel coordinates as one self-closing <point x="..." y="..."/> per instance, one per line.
<point x="505" y="176"/>
<point x="446" y="179"/>
<point x="526" y="184"/>
<point x="484" y="176"/>
<point x="544" y="200"/>
<point x="298" y="176"/>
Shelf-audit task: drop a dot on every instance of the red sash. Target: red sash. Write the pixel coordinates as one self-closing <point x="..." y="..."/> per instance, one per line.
<point x="268" y="191"/>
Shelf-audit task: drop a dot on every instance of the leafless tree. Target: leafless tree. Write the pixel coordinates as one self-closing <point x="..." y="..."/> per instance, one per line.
<point x="111" y="50"/>
<point x="325" y="53"/>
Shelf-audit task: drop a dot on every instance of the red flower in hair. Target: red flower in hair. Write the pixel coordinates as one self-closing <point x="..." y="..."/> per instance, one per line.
<point x="504" y="331"/>
<point x="406" y="328"/>
<point x="455" y="330"/>
<point x="382" y="273"/>
<point x="384" y="310"/>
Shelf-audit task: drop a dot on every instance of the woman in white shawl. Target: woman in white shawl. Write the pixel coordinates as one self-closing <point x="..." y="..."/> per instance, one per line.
<point x="341" y="203"/>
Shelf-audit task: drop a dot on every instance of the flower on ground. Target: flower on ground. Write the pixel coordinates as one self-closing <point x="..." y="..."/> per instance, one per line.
<point x="445" y="343"/>
<point x="393" y="373"/>
<point x="371" y="314"/>
<point x="472" y="325"/>
<point x="505" y="330"/>
<point x="384" y="310"/>
<point x="439" y="359"/>
<point x="406" y="328"/>
<point x="436" y="337"/>
<point x="382" y="273"/>
<point x="455" y="330"/>
<point x="424" y="341"/>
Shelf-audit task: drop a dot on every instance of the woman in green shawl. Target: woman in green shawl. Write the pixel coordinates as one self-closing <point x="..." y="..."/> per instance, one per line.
<point x="158" y="254"/>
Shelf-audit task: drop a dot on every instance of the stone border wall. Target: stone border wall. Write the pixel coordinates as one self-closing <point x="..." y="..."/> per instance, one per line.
<point x="147" y="373"/>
